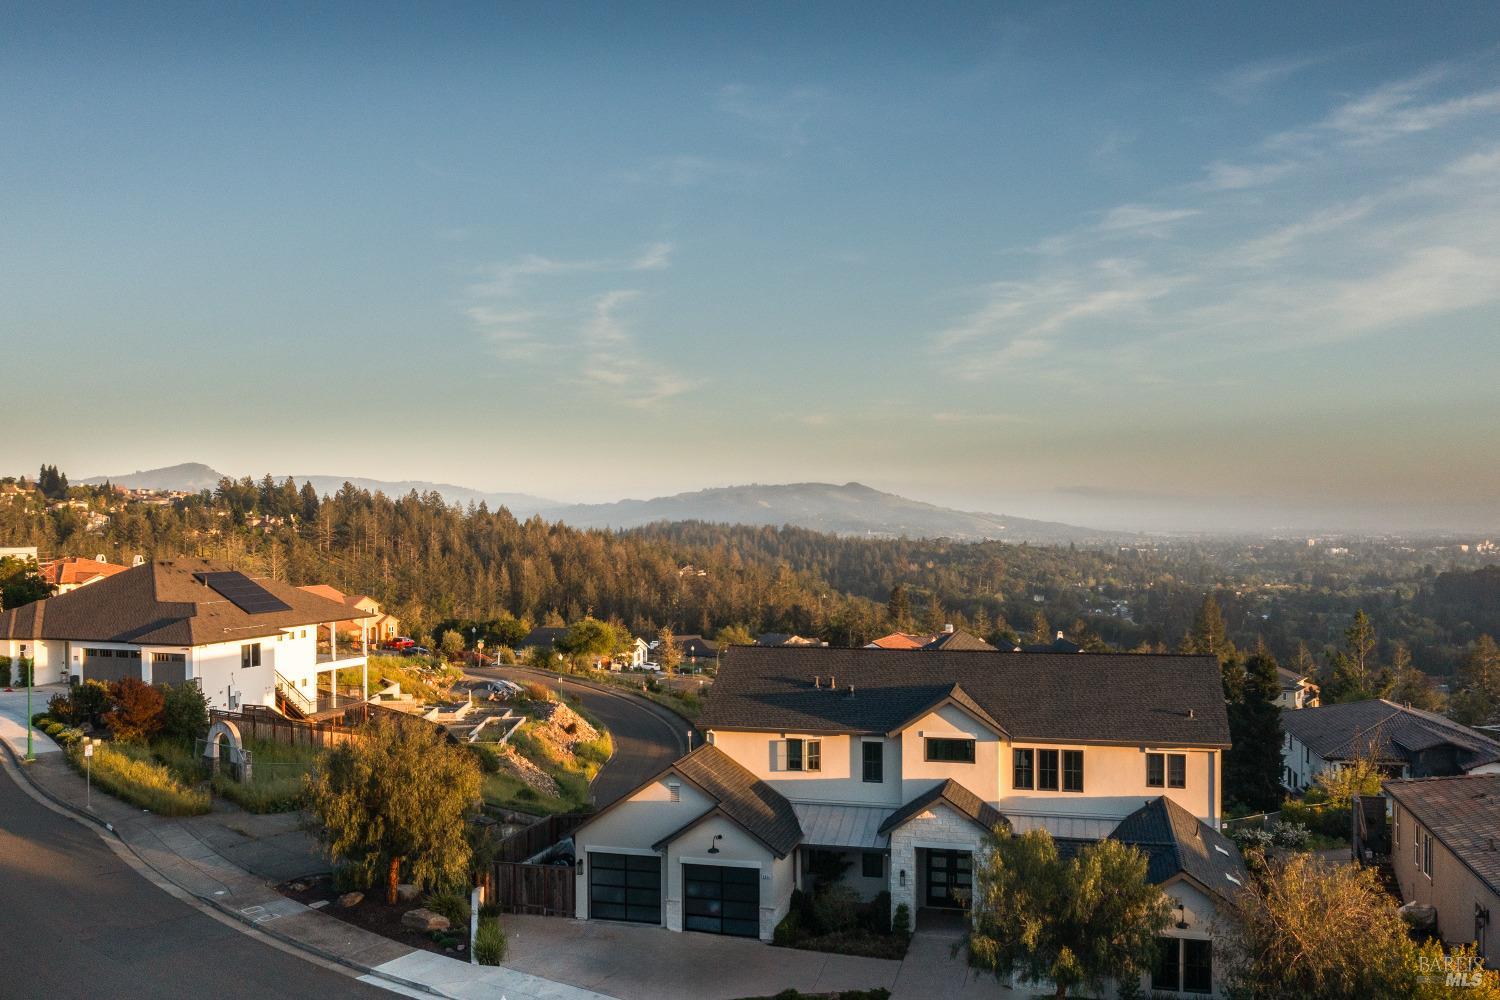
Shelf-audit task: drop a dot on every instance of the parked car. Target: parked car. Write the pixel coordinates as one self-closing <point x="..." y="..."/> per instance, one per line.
<point x="415" y="650"/>
<point x="399" y="643"/>
<point x="650" y="665"/>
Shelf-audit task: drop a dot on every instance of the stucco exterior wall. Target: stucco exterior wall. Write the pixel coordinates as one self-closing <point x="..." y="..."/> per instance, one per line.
<point x="1452" y="888"/>
<point x="1114" y="786"/>
<point x="839" y="781"/>
<point x="632" y="826"/>
<point x="737" y="849"/>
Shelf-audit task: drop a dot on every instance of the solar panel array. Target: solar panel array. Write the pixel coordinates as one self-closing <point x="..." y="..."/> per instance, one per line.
<point x="244" y="593"/>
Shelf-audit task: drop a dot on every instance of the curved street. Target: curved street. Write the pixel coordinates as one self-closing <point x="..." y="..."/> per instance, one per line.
<point x="77" y="921"/>
<point x="647" y="737"/>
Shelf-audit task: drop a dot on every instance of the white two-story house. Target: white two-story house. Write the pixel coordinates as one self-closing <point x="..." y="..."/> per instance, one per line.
<point x="902" y="761"/>
<point x="242" y="640"/>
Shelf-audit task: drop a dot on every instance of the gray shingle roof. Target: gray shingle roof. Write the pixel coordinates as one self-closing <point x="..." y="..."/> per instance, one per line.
<point x="163" y="603"/>
<point x="760" y="809"/>
<point x="1340" y="732"/>
<point x="958" y="639"/>
<point x="1175" y="841"/>
<point x="955" y="795"/>
<point x="1081" y="697"/>
<point x="1463" y="813"/>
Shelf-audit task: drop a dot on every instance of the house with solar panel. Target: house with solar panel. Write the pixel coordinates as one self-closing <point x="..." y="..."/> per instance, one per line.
<point x="898" y="764"/>
<point x="243" y="640"/>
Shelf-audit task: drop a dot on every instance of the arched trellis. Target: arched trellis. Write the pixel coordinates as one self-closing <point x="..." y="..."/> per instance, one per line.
<point x="229" y="734"/>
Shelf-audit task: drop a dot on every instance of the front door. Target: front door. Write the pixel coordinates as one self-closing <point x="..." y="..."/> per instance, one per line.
<point x="949" y="877"/>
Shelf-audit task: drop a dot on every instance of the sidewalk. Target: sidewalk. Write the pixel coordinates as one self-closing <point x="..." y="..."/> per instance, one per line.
<point x="189" y="854"/>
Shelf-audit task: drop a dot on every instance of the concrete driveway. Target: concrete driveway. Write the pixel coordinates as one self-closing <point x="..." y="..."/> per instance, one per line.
<point x="14" y="721"/>
<point x="651" y="963"/>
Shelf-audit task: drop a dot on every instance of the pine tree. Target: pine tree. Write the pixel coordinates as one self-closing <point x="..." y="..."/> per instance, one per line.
<point x="1477" y="701"/>
<point x="898" y="608"/>
<point x="1252" y="767"/>
<point x="1350" y="675"/>
<point x="1411" y="686"/>
<point x="1040" y="630"/>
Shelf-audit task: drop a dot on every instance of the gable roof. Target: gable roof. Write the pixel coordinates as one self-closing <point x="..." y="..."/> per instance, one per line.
<point x="901" y="640"/>
<point x="1291" y="680"/>
<point x="958" y="639"/>
<point x="1463" y="813"/>
<point x="696" y="645"/>
<point x="1397" y="732"/>
<point x="1078" y="697"/>
<point x="544" y="637"/>
<point x="955" y="695"/>
<point x="738" y="794"/>
<point x="1177" y="842"/>
<point x="163" y="603"/>
<point x="954" y="795"/>
<point x="784" y="639"/>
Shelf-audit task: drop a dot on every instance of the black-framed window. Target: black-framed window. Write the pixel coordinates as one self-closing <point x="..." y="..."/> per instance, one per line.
<point x="1023" y="768"/>
<point x="1176" y="770"/>
<point x="1156" y="770"/>
<point x="250" y="655"/>
<point x="1197" y="966"/>
<point x="1046" y="770"/>
<point x="873" y="761"/>
<point x="1072" y="768"/>
<point x="943" y="749"/>
<point x="804" y="755"/>
<point x="872" y="864"/>
<point x="1183" y="965"/>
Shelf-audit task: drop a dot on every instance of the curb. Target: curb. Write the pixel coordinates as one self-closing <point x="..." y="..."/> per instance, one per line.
<point x="217" y="905"/>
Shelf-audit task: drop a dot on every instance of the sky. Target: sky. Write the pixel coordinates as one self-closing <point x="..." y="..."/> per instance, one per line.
<point x="1135" y="265"/>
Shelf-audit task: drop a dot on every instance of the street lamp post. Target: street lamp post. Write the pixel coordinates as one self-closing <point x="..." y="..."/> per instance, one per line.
<point x="30" y="669"/>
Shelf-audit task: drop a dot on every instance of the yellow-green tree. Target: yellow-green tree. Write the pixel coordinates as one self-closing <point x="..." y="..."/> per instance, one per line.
<point x="396" y="802"/>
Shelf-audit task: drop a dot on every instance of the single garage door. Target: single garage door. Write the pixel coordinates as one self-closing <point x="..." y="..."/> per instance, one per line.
<point x="625" y="887"/>
<point x="111" y="664"/>
<point x="721" y="900"/>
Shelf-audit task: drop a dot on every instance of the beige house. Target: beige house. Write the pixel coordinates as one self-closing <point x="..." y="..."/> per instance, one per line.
<point x="68" y="573"/>
<point x="901" y="762"/>
<point x="1445" y="849"/>
<point x="368" y="619"/>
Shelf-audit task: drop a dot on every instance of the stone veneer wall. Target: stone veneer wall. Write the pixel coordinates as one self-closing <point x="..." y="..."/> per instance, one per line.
<point x="940" y="828"/>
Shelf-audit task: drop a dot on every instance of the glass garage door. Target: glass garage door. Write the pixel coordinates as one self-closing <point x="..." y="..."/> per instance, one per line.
<point x="721" y="900"/>
<point x="625" y="887"/>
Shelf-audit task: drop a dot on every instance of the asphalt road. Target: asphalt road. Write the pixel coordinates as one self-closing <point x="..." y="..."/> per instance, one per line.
<point x="76" y="921"/>
<point x="647" y="737"/>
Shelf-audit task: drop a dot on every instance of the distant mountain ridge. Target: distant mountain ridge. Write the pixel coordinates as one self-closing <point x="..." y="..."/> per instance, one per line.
<point x="850" y="509"/>
<point x="194" y="476"/>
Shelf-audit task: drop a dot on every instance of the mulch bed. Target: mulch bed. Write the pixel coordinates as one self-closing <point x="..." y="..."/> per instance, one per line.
<point x="375" y="915"/>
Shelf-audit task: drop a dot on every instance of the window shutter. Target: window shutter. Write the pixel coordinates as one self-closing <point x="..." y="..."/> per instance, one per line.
<point x="778" y="755"/>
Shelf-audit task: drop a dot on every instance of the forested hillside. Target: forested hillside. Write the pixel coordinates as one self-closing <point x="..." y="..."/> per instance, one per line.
<point x="431" y="562"/>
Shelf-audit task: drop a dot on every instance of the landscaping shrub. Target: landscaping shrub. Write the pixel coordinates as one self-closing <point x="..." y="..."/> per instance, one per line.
<point x="489" y="943"/>
<point x="184" y="713"/>
<point x="23" y="669"/>
<point x="835" y="909"/>
<point x="1292" y="835"/>
<point x="53" y="728"/>
<point x="60" y="707"/>
<point x="136" y="715"/>
<point x="90" y="702"/>
<point x="1319" y="817"/>
<point x="538" y="692"/>
<point x="347" y="878"/>
<point x="69" y="736"/>
<point x="278" y="778"/>
<point x="4" y="671"/>
<point x="453" y="905"/>
<point x="901" y="921"/>
<point x="142" y="783"/>
<point x="40" y="719"/>
<point x="789" y="930"/>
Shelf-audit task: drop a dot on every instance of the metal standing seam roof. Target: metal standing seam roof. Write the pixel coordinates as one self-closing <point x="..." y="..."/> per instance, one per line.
<point x="842" y="826"/>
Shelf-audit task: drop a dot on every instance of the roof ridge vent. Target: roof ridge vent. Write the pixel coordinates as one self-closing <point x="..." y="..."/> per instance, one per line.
<point x="1192" y="714"/>
<point x="851" y="692"/>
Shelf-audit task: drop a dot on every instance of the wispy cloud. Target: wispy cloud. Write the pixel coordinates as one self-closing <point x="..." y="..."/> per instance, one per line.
<point x="520" y="322"/>
<point x="1213" y="269"/>
<point x="1248" y="81"/>
<point x="781" y="117"/>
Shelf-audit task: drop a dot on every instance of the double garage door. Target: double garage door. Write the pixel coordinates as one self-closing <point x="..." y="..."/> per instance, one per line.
<point x="625" y="887"/>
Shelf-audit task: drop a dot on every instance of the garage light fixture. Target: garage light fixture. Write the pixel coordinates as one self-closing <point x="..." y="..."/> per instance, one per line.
<point x="713" y="845"/>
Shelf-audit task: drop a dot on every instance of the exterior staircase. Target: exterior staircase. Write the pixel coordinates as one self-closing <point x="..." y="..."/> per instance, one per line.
<point x="292" y="703"/>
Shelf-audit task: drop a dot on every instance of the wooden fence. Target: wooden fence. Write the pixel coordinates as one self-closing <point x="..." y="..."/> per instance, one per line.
<point x="256" y="722"/>
<point x="536" y="838"/>
<point x="540" y="890"/>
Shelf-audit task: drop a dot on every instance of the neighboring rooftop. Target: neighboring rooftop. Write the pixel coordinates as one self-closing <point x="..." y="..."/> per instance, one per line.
<point x="1080" y="697"/>
<point x="75" y="571"/>
<point x="543" y="637"/>
<point x="958" y="639"/>
<point x="784" y="639"/>
<point x="1347" y="730"/>
<point x="1463" y="813"/>
<point x="166" y="603"/>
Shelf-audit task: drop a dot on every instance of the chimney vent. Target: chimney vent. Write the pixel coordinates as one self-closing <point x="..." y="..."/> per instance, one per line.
<point x="851" y="691"/>
<point x="833" y="684"/>
<point x="948" y="629"/>
<point x="1059" y="633"/>
<point x="1192" y="714"/>
<point x="817" y="681"/>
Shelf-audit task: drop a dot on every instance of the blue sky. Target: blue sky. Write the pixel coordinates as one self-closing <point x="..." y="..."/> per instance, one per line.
<point x="1119" y="264"/>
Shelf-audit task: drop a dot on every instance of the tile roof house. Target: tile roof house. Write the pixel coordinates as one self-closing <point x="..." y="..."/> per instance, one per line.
<point x="368" y="620"/>
<point x="785" y="639"/>
<point x="68" y="573"/>
<point x="1445" y="852"/>
<point x="243" y="640"/>
<point x="902" y="762"/>
<point x="1407" y="742"/>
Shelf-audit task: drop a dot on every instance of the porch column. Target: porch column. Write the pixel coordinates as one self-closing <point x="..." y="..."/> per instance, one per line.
<point x="333" y="644"/>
